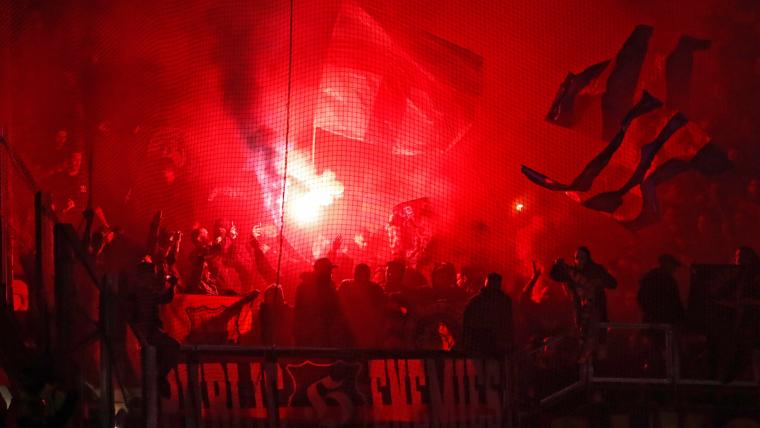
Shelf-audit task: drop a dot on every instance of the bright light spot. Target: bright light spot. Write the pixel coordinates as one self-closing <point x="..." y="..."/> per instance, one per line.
<point x="309" y="193"/>
<point x="519" y="206"/>
<point x="305" y="209"/>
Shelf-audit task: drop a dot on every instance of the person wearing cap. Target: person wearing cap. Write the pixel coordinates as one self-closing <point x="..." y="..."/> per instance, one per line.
<point x="658" y="295"/>
<point x="319" y="321"/>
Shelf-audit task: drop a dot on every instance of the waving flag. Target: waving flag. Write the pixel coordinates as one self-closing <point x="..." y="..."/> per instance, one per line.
<point x="389" y="84"/>
<point x="583" y="182"/>
<point x="667" y="144"/>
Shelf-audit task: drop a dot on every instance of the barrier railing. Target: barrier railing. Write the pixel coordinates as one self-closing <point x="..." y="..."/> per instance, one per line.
<point x="222" y="385"/>
<point x="633" y="354"/>
<point x="26" y="238"/>
<point x="660" y="342"/>
<point x="26" y="250"/>
<point x="90" y="330"/>
<point x="306" y="386"/>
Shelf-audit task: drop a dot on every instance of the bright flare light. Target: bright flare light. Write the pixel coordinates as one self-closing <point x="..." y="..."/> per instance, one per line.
<point x="519" y="206"/>
<point x="309" y="193"/>
<point x="305" y="209"/>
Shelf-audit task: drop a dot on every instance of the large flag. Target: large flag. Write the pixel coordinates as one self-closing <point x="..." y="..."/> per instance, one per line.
<point x="666" y="143"/>
<point x="389" y="84"/>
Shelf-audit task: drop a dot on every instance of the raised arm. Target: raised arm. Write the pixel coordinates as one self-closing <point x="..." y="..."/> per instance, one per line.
<point x="336" y="244"/>
<point x="608" y="281"/>
<point x="262" y="263"/>
<point x="527" y="291"/>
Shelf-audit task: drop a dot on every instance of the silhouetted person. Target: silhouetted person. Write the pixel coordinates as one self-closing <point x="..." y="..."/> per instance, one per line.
<point x="586" y="282"/>
<point x="319" y="320"/>
<point x="394" y="276"/>
<point x="444" y="284"/>
<point x="53" y="157"/>
<point x="69" y="190"/>
<point x="540" y="318"/>
<point x="233" y="256"/>
<point x="203" y="276"/>
<point x="743" y="338"/>
<point x="488" y="326"/>
<point x="363" y="302"/>
<point x="150" y="288"/>
<point x="660" y="303"/>
<point x="276" y="318"/>
<point x="470" y="279"/>
<point x="658" y="295"/>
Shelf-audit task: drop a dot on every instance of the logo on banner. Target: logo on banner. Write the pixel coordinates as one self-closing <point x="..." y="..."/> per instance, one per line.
<point x="330" y="389"/>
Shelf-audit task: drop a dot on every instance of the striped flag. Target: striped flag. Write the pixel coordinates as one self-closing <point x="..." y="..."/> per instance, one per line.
<point x="668" y="144"/>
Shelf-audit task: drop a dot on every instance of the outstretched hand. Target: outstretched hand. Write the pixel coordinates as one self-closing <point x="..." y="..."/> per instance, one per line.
<point x="255" y="234"/>
<point x="337" y="242"/>
<point x="536" y="270"/>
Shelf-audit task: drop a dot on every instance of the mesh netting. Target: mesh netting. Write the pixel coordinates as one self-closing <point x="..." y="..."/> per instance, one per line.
<point x="398" y="127"/>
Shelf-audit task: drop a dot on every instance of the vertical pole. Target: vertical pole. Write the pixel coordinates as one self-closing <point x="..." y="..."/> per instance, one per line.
<point x="106" y="369"/>
<point x="193" y="418"/>
<point x="314" y="146"/>
<point x="150" y="387"/>
<point x="40" y="283"/>
<point x="670" y="359"/>
<point x="5" y="126"/>
<point x="756" y="367"/>
<point x="270" y="385"/>
<point x="64" y="283"/>
<point x="507" y="416"/>
<point x="6" y="274"/>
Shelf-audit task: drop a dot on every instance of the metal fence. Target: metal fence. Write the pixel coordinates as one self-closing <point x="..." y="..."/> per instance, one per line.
<point x="224" y="385"/>
<point x="26" y="246"/>
<point x="229" y="385"/>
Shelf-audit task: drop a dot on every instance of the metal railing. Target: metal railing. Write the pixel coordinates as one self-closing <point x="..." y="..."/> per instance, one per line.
<point x="493" y="378"/>
<point x="25" y="231"/>
<point x="636" y="369"/>
<point x="517" y="370"/>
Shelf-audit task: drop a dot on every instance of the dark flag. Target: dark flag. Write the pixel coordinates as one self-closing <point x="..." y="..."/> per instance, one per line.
<point x="622" y="83"/>
<point x="585" y="179"/>
<point x="563" y="109"/>
<point x="678" y="146"/>
<point x="678" y="68"/>
<point x="710" y="160"/>
<point x="610" y="201"/>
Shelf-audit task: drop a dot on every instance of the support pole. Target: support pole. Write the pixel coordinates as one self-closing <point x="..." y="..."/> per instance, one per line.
<point x="6" y="255"/>
<point x="150" y="386"/>
<point x="106" y="365"/>
<point x="64" y="287"/>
